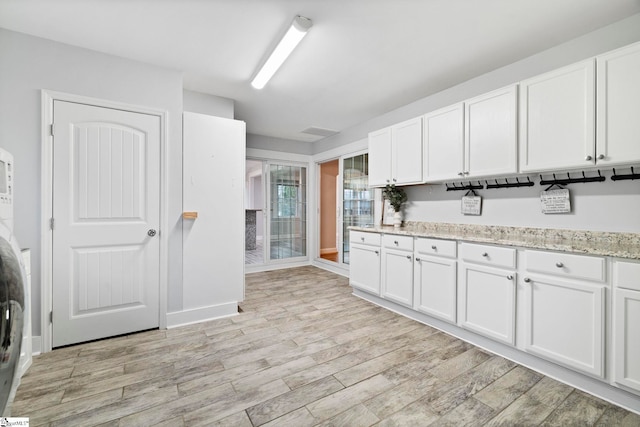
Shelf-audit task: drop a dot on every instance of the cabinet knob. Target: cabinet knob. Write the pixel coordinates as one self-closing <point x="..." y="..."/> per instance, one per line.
<point x="460" y="173"/>
<point x="376" y="252"/>
<point x="394" y="180"/>
<point x="395" y="242"/>
<point x="387" y="180"/>
<point x="509" y="277"/>
<point x="409" y="257"/>
<point x="600" y="156"/>
<point x="434" y="247"/>
<point x="418" y="259"/>
<point x="559" y="264"/>
<point x="466" y="172"/>
<point x="484" y="254"/>
<point x="362" y="239"/>
<point x="588" y="158"/>
<point x="527" y="280"/>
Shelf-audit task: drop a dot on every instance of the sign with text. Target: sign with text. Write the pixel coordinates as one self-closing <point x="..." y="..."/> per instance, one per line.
<point x="471" y="205"/>
<point x="555" y="201"/>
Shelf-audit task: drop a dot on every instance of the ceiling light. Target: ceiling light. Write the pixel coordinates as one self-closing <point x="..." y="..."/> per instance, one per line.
<point x="296" y="32"/>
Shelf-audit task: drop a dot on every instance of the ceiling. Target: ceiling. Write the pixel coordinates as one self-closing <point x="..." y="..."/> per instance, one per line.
<point x="361" y="58"/>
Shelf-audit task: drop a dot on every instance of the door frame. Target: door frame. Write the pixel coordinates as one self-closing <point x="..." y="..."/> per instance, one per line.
<point x="46" y="238"/>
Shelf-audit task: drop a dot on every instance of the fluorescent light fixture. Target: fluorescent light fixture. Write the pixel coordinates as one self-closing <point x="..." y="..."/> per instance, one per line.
<point x="294" y="35"/>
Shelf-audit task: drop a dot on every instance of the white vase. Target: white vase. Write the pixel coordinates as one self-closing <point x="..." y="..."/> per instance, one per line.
<point x="397" y="219"/>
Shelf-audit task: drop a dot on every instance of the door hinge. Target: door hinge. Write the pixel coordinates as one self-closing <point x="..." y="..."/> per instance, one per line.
<point x="51" y="132"/>
<point x="51" y="317"/>
<point x="51" y="223"/>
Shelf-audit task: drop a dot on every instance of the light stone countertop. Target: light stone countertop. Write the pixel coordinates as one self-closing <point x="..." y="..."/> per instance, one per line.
<point x="620" y="245"/>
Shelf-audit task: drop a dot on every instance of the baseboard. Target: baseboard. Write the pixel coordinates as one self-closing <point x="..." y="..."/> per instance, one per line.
<point x="201" y="314"/>
<point x="36" y="345"/>
<point x="326" y="251"/>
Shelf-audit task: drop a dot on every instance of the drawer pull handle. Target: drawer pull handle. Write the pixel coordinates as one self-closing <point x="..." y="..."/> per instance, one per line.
<point x="510" y="277"/>
<point x="434" y="247"/>
<point x="527" y="280"/>
<point x="559" y="264"/>
<point x="484" y="254"/>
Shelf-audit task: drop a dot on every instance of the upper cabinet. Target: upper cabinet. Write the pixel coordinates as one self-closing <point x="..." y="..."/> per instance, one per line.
<point x="444" y="143"/>
<point x="618" y="107"/>
<point x="557" y="119"/>
<point x="472" y="139"/>
<point x="490" y="134"/>
<point x="395" y="154"/>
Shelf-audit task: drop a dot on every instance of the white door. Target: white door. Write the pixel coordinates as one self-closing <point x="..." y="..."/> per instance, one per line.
<point x="106" y="211"/>
<point x="380" y="157"/>
<point x="435" y="286"/>
<point x="397" y="276"/>
<point x="406" y="154"/>
<point x="364" y="269"/>
<point x="444" y="143"/>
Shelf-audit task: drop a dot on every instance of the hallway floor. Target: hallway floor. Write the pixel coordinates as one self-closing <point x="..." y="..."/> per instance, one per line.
<point x="303" y="352"/>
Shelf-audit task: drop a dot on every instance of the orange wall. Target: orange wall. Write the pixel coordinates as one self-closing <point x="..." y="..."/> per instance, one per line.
<point x="328" y="179"/>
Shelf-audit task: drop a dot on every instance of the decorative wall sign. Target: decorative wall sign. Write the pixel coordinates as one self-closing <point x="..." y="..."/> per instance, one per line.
<point x="471" y="205"/>
<point x="555" y="201"/>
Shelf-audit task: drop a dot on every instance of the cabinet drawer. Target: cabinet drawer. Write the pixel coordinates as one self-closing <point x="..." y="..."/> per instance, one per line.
<point x="626" y="275"/>
<point x="404" y="243"/>
<point x="566" y="265"/>
<point x="489" y="255"/>
<point x="364" y="238"/>
<point x="445" y="248"/>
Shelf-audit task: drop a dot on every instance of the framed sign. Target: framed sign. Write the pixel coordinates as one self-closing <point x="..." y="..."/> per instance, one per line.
<point x="555" y="201"/>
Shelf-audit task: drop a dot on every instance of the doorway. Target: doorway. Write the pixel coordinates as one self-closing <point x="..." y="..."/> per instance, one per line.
<point x="345" y="200"/>
<point x="254" y="215"/>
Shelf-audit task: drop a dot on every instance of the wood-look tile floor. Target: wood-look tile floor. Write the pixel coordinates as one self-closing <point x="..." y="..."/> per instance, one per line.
<point x="304" y="352"/>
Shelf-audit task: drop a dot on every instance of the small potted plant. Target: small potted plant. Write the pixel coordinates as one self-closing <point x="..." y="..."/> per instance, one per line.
<point x="396" y="197"/>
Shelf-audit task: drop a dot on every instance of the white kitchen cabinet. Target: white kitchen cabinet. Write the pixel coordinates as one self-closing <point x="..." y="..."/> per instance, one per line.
<point x="557" y="119"/>
<point x="364" y="261"/>
<point x="564" y="313"/>
<point x="491" y="134"/>
<point x="434" y="277"/>
<point x="626" y="324"/>
<point x="487" y="295"/>
<point x="395" y="154"/>
<point x="618" y="107"/>
<point x="444" y="143"/>
<point x="397" y="269"/>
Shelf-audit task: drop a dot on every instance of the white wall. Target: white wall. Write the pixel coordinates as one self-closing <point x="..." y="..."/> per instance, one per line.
<point x="28" y="65"/>
<point x="607" y="206"/>
<point x="196" y="102"/>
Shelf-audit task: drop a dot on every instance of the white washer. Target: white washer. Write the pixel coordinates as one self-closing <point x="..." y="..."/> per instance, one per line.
<point x="13" y="293"/>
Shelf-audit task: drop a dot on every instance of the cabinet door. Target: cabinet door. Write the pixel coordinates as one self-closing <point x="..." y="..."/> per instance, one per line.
<point x="626" y="338"/>
<point x="380" y="157"/>
<point x="364" y="268"/>
<point x="435" y="287"/>
<point x="444" y="143"/>
<point x="487" y="302"/>
<point x="491" y="134"/>
<point x="397" y="276"/>
<point x="557" y="119"/>
<point x="618" y="139"/>
<point x="564" y="322"/>
<point x="407" y="152"/>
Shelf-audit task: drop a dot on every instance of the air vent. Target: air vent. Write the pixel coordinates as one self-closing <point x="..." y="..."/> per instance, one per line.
<point x="320" y="131"/>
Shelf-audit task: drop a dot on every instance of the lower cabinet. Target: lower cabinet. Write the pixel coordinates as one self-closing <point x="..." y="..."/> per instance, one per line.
<point x="626" y="324"/>
<point x="434" y="278"/>
<point x="488" y="301"/>
<point x="365" y="268"/>
<point x="565" y="319"/>
<point x="397" y="269"/>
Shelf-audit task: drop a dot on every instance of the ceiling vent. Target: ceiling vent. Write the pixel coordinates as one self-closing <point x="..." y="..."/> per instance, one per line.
<point x="320" y="131"/>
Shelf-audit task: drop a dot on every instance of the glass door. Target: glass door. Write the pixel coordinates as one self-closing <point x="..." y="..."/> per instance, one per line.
<point x="287" y="186"/>
<point x="357" y="198"/>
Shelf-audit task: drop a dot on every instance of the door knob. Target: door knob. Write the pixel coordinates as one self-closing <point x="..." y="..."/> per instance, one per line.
<point x="151" y="232"/>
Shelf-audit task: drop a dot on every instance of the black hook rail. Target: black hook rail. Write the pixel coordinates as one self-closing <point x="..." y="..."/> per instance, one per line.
<point x="462" y="187"/>
<point x="569" y="180"/>
<point x="507" y="184"/>
<point x="632" y="175"/>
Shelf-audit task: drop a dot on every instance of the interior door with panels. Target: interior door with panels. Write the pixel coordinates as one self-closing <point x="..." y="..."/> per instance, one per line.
<point x="106" y="214"/>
